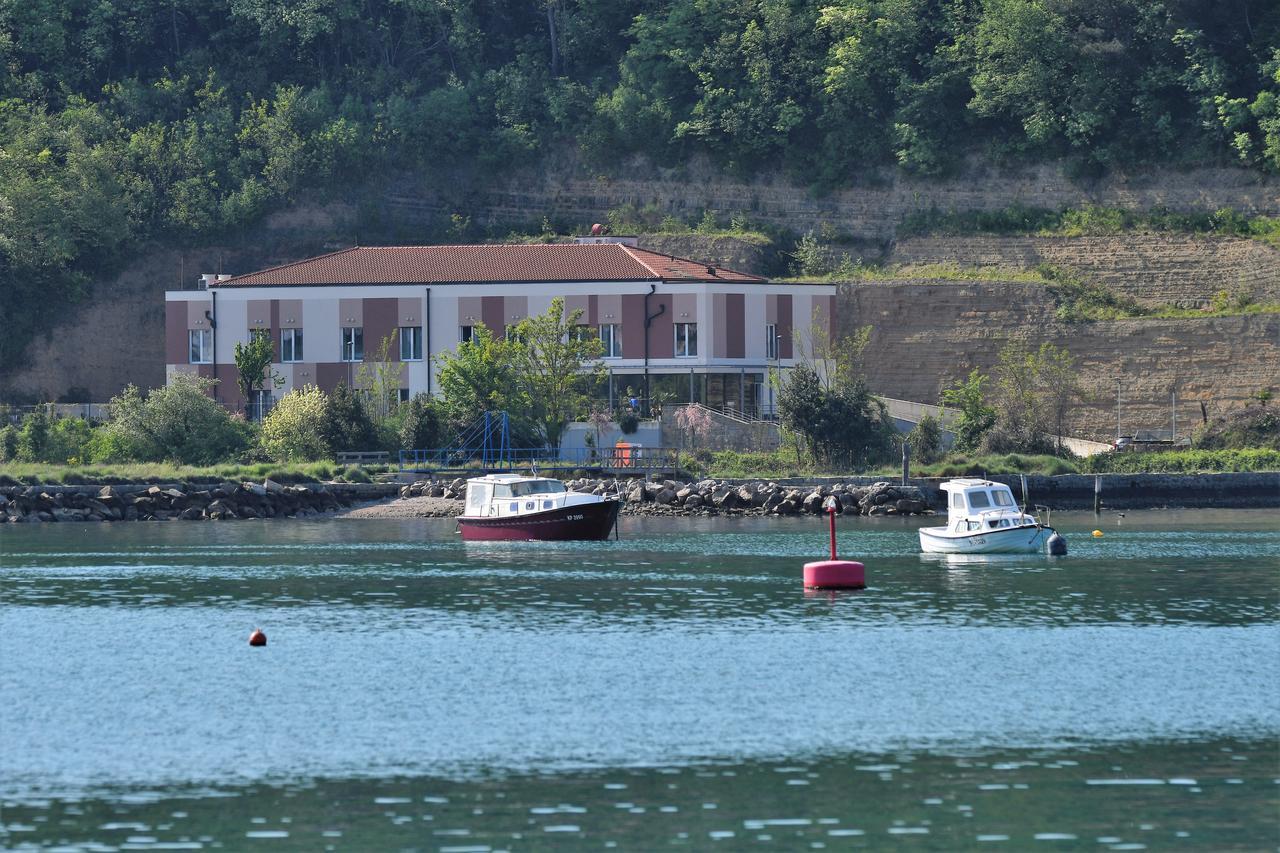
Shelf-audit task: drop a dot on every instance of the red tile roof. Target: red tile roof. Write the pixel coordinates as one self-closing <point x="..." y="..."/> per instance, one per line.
<point x="546" y="262"/>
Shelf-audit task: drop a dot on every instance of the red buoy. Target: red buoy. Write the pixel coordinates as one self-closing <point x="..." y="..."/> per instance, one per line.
<point x="834" y="573"/>
<point x="257" y="638"/>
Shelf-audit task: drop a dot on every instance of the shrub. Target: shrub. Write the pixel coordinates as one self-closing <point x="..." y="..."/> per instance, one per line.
<point x="925" y="440"/>
<point x="8" y="443"/>
<point x="295" y="431"/>
<point x="1184" y="462"/>
<point x="33" y="437"/>
<point x="628" y="423"/>
<point x="178" y="423"/>
<point x="68" y="441"/>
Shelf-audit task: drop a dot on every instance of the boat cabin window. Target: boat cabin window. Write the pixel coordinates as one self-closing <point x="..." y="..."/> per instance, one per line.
<point x="1002" y="497"/>
<point x="477" y="496"/>
<point x="957" y="500"/>
<point x="536" y="487"/>
<point x="979" y="500"/>
<point x="501" y="490"/>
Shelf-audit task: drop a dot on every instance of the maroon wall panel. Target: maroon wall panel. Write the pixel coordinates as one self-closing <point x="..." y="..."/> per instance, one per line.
<point x="492" y="316"/>
<point x="662" y="338"/>
<point x="735" y="318"/>
<point x="228" y="391"/>
<point x="176" y="343"/>
<point x="785" y="346"/>
<point x="632" y="326"/>
<point x="330" y="374"/>
<point x="381" y="318"/>
<point x="593" y="310"/>
<point x="275" y="332"/>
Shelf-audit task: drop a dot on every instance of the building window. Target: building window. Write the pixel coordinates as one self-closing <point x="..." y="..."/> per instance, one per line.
<point x="404" y="395"/>
<point x="612" y="340"/>
<point x="771" y="341"/>
<point x="411" y="343"/>
<point x="291" y="345"/>
<point x="686" y="339"/>
<point x="466" y="333"/>
<point x="352" y="343"/>
<point x="581" y="332"/>
<point x="201" y="346"/>
<point x="260" y="403"/>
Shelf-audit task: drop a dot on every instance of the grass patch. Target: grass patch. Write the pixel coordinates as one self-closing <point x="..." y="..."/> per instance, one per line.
<point x="32" y="474"/>
<point x="1089" y="221"/>
<point x="1183" y="462"/>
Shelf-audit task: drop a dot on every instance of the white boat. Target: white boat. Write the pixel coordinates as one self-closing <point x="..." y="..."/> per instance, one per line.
<point x="512" y="507"/>
<point x="983" y="518"/>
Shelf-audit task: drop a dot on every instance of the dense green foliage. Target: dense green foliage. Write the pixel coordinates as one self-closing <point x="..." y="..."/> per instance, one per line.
<point x="1251" y="427"/>
<point x="128" y="120"/>
<point x="840" y="423"/>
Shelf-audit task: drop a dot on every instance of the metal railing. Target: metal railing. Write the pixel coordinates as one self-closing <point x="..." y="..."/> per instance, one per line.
<point x="624" y="460"/>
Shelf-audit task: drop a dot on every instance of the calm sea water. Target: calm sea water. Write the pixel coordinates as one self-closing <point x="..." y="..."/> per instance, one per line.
<point x="675" y="688"/>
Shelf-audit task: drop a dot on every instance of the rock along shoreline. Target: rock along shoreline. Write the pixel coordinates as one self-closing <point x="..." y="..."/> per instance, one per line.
<point x="783" y="498"/>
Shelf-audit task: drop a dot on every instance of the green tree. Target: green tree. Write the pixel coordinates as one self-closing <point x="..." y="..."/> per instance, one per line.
<point x="481" y="375"/>
<point x="33" y="437"/>
<point x="295" y="430"/>
<point x="976" y="415"/>
<point x="253" y="364"/>
<point x="422" y="427"/>
<point x="347" y="425"/>
<point x="178" y="423"/>
<point x="554" y="364"/>
<point x="926" y="440"/>
<point x="380" y="378"/>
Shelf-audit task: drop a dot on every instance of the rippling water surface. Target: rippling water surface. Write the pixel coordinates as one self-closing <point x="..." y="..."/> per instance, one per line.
<point x="677" y="687"/>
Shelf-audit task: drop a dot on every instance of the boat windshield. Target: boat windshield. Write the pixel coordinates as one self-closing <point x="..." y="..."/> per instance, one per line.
<point x="979" y="500"/>
<point x="1002" y="497"/>
<point x="536" y="487"/>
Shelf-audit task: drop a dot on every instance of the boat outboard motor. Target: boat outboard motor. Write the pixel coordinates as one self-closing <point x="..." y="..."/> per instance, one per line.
<point x="1057" y="546"/>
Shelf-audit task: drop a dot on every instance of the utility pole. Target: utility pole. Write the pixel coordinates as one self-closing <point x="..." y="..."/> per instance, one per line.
<point x="1173" y="415"/>
<point x="1118" y="385"/>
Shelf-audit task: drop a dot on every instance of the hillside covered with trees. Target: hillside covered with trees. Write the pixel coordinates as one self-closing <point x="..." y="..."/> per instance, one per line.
<point x="128" y="121"/>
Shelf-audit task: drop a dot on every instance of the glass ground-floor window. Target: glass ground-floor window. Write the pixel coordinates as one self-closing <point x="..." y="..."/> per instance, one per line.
<point x="260" y="403"/>
<point x="686" y="339"/>
<point x="201" y="346"/>
<point x="353" y="343"/>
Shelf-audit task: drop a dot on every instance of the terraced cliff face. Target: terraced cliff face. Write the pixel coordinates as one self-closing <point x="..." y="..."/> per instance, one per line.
<point x="1154" y="269"/>
<point x="928" y="333"/>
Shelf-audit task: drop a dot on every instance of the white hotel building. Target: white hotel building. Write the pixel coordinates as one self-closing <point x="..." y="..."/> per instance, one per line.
<point x="690" y="330"/>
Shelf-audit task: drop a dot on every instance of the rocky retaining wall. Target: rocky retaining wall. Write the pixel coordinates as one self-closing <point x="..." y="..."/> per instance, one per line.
<point x="927" y="334"/>
<point x="712" y="497"/>
<point x="191" y="502"/>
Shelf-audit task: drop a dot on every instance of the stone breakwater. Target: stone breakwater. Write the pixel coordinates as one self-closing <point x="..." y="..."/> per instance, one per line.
<point x="218" y="502"/>
<point x="714" y="497"/>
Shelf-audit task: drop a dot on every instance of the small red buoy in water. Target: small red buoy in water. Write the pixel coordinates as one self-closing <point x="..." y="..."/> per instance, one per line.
<point x="834" y="573"/>
<point x="257" y="638"/>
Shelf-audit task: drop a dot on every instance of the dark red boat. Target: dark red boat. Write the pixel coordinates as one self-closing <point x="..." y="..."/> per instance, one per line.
<point x="512" y="507"/>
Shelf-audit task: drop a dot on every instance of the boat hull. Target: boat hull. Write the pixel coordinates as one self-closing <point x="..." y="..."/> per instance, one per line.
<point x="1009" y="540"/>
<point x="592" y="521"/>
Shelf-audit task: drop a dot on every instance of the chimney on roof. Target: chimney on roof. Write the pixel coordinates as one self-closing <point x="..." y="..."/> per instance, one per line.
<point x="711" y="270"/>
